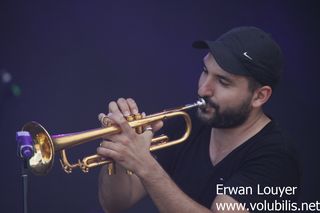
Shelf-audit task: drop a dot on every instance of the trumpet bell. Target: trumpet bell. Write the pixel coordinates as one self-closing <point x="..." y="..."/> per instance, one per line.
<point x="45" y="145"/>
<point x="42" y="160"/>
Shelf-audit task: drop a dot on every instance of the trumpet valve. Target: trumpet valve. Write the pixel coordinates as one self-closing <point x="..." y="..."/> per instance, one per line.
<point x="138" y="116"/>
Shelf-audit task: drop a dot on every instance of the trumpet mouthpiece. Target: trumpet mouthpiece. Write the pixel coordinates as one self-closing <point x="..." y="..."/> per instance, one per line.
<point x="201" y="103"/>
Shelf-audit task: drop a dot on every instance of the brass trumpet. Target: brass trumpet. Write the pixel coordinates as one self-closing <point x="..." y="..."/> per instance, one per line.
<point x="45" y="146"/>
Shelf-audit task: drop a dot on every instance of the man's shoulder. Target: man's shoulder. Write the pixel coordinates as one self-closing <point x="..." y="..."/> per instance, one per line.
<point x="271" y="135"/>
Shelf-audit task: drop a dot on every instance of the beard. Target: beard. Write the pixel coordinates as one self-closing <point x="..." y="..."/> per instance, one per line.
<point x="229" y="117"/>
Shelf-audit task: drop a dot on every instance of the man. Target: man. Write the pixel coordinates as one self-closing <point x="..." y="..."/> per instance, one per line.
<point x="235" y="155"/>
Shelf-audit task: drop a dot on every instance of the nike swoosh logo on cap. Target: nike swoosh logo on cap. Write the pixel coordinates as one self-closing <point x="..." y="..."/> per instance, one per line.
<point x="246" y="55"/>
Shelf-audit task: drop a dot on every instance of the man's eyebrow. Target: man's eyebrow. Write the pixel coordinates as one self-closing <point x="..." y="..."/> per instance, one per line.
<point x="224" y="77"/>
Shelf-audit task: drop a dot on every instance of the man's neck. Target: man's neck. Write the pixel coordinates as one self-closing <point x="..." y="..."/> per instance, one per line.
<point x="223" y="141"/>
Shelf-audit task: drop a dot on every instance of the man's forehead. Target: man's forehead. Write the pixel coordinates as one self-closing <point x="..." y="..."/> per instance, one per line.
<point x="209" y="60"/>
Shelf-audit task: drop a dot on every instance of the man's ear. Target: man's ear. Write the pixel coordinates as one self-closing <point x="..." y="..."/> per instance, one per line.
<point x="261" y="96"/>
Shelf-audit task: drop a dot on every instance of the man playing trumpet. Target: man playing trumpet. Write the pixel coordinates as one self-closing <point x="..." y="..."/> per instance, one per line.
<point x="234" y="151"/>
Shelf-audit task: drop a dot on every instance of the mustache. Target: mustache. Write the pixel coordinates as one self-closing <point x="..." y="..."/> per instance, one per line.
<point x="210" y="102"/>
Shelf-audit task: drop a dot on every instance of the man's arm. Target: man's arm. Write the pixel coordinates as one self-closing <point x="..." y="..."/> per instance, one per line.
<point x="119" y="191"/>
<point x="131" y="151"/>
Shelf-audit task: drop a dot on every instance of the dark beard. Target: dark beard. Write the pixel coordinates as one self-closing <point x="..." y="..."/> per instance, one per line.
<point x="229" y="118"/>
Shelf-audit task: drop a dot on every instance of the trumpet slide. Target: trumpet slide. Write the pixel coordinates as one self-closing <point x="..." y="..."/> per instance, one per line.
<point x="45" y="145"/>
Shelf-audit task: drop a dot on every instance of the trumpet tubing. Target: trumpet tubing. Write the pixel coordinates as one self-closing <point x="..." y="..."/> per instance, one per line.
<point x="45" y="146"/>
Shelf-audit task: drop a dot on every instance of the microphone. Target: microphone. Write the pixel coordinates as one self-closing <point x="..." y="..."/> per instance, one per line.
<point x="24" y="145"/>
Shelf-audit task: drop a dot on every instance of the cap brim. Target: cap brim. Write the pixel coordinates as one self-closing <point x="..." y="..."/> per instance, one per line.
<point x="223" y="56"/>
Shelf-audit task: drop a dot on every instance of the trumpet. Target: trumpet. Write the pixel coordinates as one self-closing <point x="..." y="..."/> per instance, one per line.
<point x="45" y="145"/>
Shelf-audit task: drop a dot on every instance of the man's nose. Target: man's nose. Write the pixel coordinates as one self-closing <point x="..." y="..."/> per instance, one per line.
<point x="206" y="89"/>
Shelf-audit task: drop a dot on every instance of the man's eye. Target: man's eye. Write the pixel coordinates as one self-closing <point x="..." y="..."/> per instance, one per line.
<point x="223" y="82"/>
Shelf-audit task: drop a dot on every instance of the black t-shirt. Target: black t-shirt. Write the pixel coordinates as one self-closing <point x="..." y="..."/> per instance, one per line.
<point x="265" y="160"/>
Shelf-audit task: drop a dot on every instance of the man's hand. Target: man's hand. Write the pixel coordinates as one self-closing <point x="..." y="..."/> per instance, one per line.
<point x="129" y="149"/>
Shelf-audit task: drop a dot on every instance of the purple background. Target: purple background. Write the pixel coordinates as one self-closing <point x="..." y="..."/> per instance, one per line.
<point x="71" y="58"/>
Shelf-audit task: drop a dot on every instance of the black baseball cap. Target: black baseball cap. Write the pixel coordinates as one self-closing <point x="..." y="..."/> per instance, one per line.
<point x="247" y="51"/>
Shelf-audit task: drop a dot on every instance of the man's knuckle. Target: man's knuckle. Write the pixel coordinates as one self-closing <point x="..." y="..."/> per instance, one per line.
<point x="131" y="100"/>
<point x="121" y="100"/>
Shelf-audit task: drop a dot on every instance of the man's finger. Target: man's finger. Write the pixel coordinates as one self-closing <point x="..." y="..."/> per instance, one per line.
<point x="133" y="106"/>
<point x="123" y="106"/>
<point x="122" y="123"/>
<point x="108" y="153"/>
<point x="105" y="120"/>
<point x="113" y="107"/>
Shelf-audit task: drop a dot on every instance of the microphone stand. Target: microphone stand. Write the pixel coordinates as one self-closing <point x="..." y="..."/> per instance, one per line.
<point x="25" y="152"/>
<point x="24" y="178"/>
